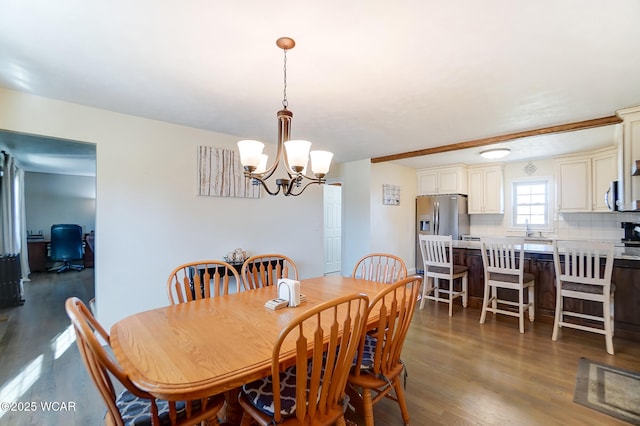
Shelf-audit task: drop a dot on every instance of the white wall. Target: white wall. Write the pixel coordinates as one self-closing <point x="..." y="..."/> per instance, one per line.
<point x="148" y="218"/>
<point x="368" y="225"/>
<point x="356" y="213"/>
<point x="393" y="227"/>
<point x="52" y="198"/>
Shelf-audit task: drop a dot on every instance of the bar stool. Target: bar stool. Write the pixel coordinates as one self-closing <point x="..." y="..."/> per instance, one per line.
<point x="437" y="255"/>
<point x="504" y="268"/>
<point x="584" y="277"/>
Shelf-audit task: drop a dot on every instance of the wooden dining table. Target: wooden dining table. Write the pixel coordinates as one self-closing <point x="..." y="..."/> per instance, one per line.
<point x="209" y="346"/>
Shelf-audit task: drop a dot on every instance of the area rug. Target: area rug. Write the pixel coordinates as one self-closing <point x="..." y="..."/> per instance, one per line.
<point x="610" y="390"/>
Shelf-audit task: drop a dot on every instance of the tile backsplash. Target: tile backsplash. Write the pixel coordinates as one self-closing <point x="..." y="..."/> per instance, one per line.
<point x="576" y="226"/>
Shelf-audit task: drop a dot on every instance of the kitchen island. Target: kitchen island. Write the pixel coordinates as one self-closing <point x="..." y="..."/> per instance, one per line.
<point x="539" y="262"/>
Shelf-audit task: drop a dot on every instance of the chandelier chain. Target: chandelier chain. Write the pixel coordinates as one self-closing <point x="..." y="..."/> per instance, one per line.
<point x="285" y="102"/>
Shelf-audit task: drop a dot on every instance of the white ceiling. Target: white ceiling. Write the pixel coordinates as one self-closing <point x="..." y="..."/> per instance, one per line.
<point x="50" y="155"/>
<point x="366" y="78"/>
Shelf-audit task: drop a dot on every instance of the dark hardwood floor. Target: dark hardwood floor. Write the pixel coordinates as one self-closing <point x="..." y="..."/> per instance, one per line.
<point x="39" y="360"/>
<point x="460" y="372"/>
<point x="464" y="373"/>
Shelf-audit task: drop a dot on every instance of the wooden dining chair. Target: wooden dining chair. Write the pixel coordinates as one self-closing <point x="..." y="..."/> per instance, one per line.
<point x="503" y="260"/>
<point x="132" y="405"/>
<point x="199" y="280"/>
<point x="325" y="339"/>
<point x="437" y="255"/>
<point x="265" y="269"/>
<point x="378" y="368"/>
<point x="380" y="267"/>
<point x="585" y="275"/>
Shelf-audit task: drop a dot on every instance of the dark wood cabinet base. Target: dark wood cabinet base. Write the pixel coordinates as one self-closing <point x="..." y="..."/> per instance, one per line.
<point x="626" y="277"/>
<point x="37" y="255"/>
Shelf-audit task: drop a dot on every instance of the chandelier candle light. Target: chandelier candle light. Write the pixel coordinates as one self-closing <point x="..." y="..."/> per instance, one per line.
<point x="294" y="159"/>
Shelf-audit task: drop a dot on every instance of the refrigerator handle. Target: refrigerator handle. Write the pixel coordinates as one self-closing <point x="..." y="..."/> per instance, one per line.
<point x="436" y="225"/>
<point x="434" y="219"/>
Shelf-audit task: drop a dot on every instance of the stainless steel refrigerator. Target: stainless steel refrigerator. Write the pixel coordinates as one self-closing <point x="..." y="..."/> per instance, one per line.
<point x="440" y="215"/>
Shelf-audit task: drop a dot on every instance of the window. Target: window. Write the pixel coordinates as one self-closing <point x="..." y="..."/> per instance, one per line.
<point x="530" y="205"/>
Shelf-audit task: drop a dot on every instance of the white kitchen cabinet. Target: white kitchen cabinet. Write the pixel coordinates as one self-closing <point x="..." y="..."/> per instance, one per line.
<point x="604" y="171"/>
<point x="442" y="180"/>
<point x="486" y="190"/>
<point x="629" y="140"/>
<point x="573" y="180"/>
<point x="582" y="181"/>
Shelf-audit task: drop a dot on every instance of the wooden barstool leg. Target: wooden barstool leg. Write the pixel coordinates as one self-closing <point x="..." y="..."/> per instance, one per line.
<point x="558" y="316"/>
<point x="521" y="309"/>
<point x="532" y="303"/>
<point x="425" y="287"/>
<point x="465" y="289"/>
<point x="608" y="334"/>
<point x="451" y="281"/>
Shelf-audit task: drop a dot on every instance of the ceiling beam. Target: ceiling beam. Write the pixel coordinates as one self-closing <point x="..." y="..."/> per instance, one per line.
<point x="579" y="125"/>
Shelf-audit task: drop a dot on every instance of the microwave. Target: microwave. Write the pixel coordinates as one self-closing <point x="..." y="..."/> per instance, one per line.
<point x="612" y="197"/>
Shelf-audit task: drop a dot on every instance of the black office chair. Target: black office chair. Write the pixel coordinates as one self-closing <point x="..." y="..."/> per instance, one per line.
<point x="66" y="246"/>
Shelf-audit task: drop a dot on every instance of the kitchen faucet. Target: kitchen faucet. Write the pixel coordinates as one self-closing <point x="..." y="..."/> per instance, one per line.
<point x="527" y="232"/>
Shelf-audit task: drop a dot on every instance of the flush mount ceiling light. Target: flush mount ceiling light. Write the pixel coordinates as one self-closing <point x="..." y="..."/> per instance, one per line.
<point x="294" y="154"/>
<point x="493" y="154"/>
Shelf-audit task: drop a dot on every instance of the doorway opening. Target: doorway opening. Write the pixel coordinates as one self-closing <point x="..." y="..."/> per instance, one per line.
<point x="59" y="187"/>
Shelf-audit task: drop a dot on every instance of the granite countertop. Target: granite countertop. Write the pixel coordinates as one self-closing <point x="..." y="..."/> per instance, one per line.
<point x="621" y="252"/>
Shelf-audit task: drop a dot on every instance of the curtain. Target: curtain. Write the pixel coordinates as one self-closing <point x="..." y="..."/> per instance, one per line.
<point x="22" y="228"/>
<point x="13" y="233"/>
<point x="10" y="240"/>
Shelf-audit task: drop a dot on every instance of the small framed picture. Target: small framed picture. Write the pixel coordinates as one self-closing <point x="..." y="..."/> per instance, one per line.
<point x="391" y="195"/>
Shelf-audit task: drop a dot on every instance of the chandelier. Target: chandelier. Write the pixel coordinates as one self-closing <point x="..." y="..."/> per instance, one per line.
<point x="294" y="154"/>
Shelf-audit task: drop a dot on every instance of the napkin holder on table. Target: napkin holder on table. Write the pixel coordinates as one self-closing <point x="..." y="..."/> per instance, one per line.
<point x="289" y="289"/>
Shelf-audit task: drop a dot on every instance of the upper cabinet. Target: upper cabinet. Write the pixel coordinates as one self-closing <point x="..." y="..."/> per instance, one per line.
<point x="629" y="139"/>
<point x="583" y="180"/>
<point x="573" y="180"/>
<point x="604" y="171"/>
<point x="442" y="180"/>
<point x="486" y="190"/>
